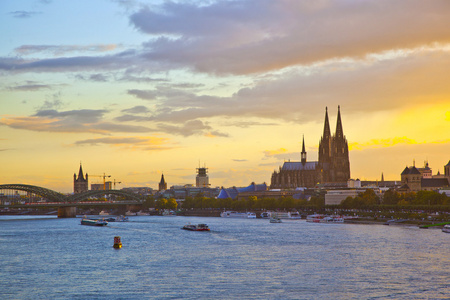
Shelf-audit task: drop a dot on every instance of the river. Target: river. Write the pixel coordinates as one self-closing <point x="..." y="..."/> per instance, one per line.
<point x="50" y="258"/>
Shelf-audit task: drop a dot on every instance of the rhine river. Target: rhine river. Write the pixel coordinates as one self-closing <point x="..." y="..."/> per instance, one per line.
<point x="50" y="258"/>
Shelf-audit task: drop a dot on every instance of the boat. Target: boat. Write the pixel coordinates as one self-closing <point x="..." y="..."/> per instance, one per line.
<point x="130" y="213"/>
<point x="266" y="214"/>
<point x="121" y="219"/>
<point x="141" y="213"/>
<point x="446" y="228"/>
<point x="168" y="213"/>
<point x="117" y="219"/>
<point x="198" y="227"/>
<point x="103" y="213"/>
<point x="281" y="215"/>
<point x="92" y="222"/>
<point x="235" y="214"/>
<point x="295" y="215"/>
<point x="395" y="221"/>
<point x="318" y="218"/>
<point x="275" y="220"/>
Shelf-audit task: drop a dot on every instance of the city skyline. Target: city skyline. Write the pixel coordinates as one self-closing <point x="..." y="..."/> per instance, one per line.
<point x="135" y="89"/>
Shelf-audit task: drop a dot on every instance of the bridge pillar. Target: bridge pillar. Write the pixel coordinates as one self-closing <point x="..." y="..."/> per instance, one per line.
<point x="67" y="212"/>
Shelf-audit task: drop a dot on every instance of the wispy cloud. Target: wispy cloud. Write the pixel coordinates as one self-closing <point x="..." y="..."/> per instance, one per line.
<point x="85" y="120"/>
<point x="142" y="143"/>
<point x="58" y="50"/>
<point x="22" y="14"/>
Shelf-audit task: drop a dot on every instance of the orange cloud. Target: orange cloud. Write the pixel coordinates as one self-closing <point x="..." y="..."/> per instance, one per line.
<point x="137" y="142"/>
<point x="390" y="142"/>
<point x="274" y="152"/>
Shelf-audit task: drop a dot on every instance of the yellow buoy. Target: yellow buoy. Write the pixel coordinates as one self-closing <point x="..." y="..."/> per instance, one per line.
<point x="117" y="242"/>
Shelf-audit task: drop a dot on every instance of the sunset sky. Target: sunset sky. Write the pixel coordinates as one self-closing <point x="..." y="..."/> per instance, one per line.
<point x="137" y="88"/>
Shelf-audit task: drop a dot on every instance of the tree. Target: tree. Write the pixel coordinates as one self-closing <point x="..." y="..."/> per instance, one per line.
<point x="171" y="204"/>
<point x="161" y="203"/>
<point x="149" y="202"/>
<point x="391" y="197"/>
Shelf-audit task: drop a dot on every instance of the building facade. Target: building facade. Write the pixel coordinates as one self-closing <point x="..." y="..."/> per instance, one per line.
<point x="421" y="179"/>
<point x="333" y="164"/>
<point x="80" y="183"/>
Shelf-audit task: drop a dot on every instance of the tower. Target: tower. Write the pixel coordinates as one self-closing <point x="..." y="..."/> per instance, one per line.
<point x="202" y="179"/>
<point x="340" y="158"/>
<point x="303" y="152"/>
<point x="162" y="184"/>
<point x="80" y="184"/>
<point x="325" y="150"/>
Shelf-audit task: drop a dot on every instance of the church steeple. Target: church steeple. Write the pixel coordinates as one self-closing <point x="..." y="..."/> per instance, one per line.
<point x="339" y="130"/>
<point x="162" y="184"/>
<point x="303" y="152"/>
<point x="80" y="173"/>
<point x="326" y="126"/>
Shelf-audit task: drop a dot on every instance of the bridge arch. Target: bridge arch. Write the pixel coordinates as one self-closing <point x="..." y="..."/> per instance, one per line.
<point x="53" y="196"/>
<point x="43" y="192"/>
<point x="85" y="195"/>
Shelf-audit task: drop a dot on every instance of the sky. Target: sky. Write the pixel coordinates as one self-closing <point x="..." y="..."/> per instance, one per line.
<point x="135" y="89"/>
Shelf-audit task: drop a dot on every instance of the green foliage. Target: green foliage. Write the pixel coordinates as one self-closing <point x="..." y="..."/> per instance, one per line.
<point x="171" y="204"/>
<point x="149" y="202"/>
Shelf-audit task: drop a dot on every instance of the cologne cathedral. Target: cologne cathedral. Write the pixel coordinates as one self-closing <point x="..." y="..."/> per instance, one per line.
<point x="333" y="165"/>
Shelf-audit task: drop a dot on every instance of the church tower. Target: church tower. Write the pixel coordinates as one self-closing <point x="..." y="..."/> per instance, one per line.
<point x="325" y="151"/>
<point x="80" y="184"/>
<point x="340" y="156"/>
<point x="303" y="152"/>
<point x="162" y="184"/>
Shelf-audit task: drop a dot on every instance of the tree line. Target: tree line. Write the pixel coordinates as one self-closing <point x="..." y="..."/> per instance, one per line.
<point x="365" y="200"/>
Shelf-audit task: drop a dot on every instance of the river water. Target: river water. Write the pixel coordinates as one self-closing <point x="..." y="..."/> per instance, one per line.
<point x="50" y="258"/>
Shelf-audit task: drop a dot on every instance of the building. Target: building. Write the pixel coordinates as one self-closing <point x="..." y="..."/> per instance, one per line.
<point x="162" y="184"/>
<point x="333" y="165"/>
<point x="421" y="179"/>
<point x="80" y="183"/>
<point x="202" y="180"/>
<point x="235" y="192"/>
<point x="100" y="186"/>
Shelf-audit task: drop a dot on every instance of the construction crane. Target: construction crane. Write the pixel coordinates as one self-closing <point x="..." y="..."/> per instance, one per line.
<point x="118" y="182"/>
<point x="104" y="177"/>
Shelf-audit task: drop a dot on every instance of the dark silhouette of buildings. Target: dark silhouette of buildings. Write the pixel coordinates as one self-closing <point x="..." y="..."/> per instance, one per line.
<point x="80" y="184"/>
<point x="333" y="164"/>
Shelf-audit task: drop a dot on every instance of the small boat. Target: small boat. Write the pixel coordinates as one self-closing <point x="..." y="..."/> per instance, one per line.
<point x="395" y="221"/>
<point x="324" y="219"/>
<point x="92" y="222"/>
<point x="130" y="213"/>
<point x="142" y="213"/>
<point x="295" y="215"/>
<point x="121" y="219"/>
<point x="265" y="214"/>
<point x="235" y="214"/>
<point x="446" y="228"/>
<point x="275" y="220"/>
<point x="198" y="227"/>
<point x="103" y="213"/>
<point x="117" y="219"/>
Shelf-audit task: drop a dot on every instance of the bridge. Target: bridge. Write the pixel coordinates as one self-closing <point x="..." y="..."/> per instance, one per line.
<point x="66" y="204"/>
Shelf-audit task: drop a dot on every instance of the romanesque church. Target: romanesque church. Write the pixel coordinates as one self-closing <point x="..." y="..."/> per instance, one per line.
<point x="333" y="165"/>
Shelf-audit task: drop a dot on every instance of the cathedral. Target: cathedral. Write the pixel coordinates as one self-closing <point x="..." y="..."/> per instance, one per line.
<point x="333" y="164"/>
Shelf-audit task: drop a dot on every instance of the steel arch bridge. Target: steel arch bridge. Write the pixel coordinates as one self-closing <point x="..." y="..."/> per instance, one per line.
<point x="43" y="192"/>
<point x="82" y="196"/>
<point x="58" y="197"/>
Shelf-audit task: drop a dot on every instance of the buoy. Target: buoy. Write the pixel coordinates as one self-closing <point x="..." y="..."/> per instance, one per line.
<point x="117" y="242"/>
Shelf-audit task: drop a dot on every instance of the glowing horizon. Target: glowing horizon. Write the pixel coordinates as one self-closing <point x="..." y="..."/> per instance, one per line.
<point x="138" y="88"/>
